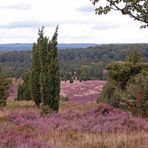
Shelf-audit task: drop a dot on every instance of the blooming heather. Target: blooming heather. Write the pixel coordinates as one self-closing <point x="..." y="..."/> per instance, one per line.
<point x="82" y="92"/>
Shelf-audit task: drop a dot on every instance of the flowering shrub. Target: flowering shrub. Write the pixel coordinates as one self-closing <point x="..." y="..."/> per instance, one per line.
<point x="103" y="119"/>
<point x="77" y="92"/>
<point x="82" y="92"/>
<point x="20" y="140"/>
<point x="29" y="129"/>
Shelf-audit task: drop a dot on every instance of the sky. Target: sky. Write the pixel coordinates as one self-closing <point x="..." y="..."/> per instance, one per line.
<point x="78" y="23"/>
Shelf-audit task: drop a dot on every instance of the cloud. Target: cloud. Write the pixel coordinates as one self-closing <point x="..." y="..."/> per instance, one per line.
<point x="21" y="6"/>
<point x="86" y="9"/>
<point x="28" y="24"/>
<point x="36" y="23"/>
<point x="77" y="22"/>
<point x="105" y="26"/>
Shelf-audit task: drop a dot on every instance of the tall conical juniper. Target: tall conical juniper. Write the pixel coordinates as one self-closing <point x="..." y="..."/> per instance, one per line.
<point x="53" y="75"/>
<point x="45" y="75"/>
<point x="35" y="76"/>
<point x="43" y="48"/>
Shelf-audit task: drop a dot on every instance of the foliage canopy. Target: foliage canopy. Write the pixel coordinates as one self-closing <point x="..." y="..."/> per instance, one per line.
<point x="137" y="9"/>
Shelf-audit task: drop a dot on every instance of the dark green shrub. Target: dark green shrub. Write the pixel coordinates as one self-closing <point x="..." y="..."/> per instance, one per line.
<point x="127" y="85"/>
<point x="108" y="91"/>
<point x="135" y="98"/>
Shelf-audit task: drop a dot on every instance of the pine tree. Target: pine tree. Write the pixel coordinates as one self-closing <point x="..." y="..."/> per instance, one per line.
<point x="35" y="76"/>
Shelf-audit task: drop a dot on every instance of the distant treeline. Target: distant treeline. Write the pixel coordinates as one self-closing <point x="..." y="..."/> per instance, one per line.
<point x="16" y="63"/>
<point x="82" y="64"/>
<point x="28" y="46"/>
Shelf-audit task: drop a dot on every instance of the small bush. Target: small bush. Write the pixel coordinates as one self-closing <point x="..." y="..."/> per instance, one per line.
<point x="104" y="108"/>
<point x="45" y="109"/>
<point x="71" y="80"/>
<point x="64" y="98"/>
<point x="2" y="103"/>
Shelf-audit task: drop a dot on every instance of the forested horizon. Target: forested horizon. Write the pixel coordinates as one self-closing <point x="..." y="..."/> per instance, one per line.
<point x="89" y="63"/>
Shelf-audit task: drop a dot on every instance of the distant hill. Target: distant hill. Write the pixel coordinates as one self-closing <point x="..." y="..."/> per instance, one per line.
<point x="28" y="46"/>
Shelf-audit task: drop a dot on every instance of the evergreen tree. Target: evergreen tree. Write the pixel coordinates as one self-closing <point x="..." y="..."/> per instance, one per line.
<point x="35" y="76"/>
<point x="53" y="75"/>
<point x="23" y="92"/>
<point x="4" y="84"/>
<point x="127" y="85"/>
<point x="43" y="48"/>
<point x="19" y="92"/>
<point x="26" y="87"/>
<point x="45" y="75"/>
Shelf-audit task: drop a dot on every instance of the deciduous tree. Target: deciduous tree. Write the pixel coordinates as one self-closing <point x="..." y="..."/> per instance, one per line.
<point x="136" y="9"/>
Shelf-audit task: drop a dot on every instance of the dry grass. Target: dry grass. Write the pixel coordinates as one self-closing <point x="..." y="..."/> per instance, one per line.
<point x="18" y="106"/>
<point x="70" y="139"/>
<point x="81" y="108"/>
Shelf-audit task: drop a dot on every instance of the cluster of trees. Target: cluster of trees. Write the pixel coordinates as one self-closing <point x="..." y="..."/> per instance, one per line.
<point x="127" y="85"/>
<point x="43" y="83"/>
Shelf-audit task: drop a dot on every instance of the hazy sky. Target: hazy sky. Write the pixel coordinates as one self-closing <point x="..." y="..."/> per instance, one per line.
<point x="20" y="20"/>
